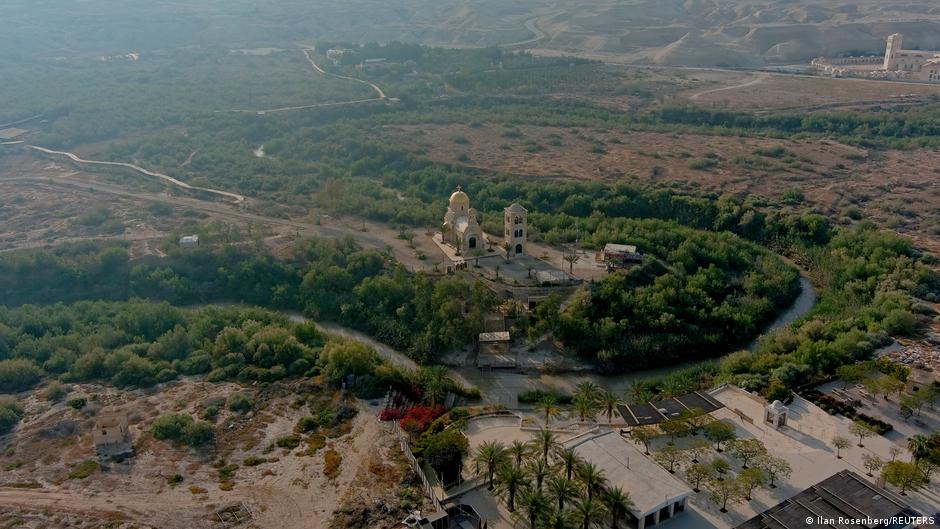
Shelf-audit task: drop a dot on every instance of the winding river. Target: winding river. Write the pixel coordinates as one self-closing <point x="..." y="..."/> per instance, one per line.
<point x="503" y="386"/>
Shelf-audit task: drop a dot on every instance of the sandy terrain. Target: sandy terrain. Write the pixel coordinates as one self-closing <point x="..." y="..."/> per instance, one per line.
<point x="290" y="490"/>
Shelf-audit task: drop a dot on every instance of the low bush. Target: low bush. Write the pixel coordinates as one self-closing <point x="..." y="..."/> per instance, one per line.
<point x="534" y="396"/>
<point x="84" y="469"/>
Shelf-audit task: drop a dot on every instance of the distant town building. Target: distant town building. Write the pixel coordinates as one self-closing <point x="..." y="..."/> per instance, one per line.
<point x="844" y="495"/>
<point x="374" y="64"/>
<point x="461" y="228"/>
<point x="897" y="63"/>
<point x="515" y="222"/>
<point x="111" y="435"/>
<point x="619" y="255"/>
<point x="189" y="241"/>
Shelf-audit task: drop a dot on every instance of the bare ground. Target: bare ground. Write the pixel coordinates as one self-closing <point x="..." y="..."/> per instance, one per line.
<point x="290" y="490"/>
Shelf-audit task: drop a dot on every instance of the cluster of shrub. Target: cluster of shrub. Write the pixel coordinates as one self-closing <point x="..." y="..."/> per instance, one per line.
<point x="848" y="410"/>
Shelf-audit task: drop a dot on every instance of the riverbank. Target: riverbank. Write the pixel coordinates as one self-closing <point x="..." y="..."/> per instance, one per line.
<point x="502" y="387"/>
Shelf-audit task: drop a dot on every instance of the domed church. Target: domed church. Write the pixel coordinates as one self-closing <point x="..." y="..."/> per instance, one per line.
<point x="461" y="229"/>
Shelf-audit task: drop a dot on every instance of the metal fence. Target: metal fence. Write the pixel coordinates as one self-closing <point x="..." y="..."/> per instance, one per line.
<point x="406" y="448"/>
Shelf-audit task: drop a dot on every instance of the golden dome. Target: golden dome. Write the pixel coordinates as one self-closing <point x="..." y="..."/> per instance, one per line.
<point x="458" y="199"/>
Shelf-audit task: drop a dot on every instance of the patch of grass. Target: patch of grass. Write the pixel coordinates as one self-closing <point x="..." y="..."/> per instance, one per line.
<point x="253" y="461"/>
<point x="703" y="164"/>
<point x="331" y="463"/>
<point x="84" y="469"/>
<point x="288" y="441"/>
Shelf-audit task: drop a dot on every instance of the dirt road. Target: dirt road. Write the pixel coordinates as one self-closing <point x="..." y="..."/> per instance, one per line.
<point x="317" y="68"/>
<point x="757" y="80"/>
<point x="377" y="236"/>
<point x="238" y="199"/>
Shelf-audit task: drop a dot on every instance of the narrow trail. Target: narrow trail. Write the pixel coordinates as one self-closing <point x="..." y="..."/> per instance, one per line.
<point x="537" y="34"/>
<point x="316" y="67"/>
<point x="380" y="95"/>
<point x="238" y="199"/>
<point x="759" y="79"/>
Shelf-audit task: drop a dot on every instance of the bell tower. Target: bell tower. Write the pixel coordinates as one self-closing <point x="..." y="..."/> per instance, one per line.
<point x="891" y="50"/>
<point x="516" y="228"/>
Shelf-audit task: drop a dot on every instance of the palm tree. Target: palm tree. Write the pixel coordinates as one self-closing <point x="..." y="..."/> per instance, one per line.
<point x="518" y="451"/>
<point x="589" y="513"/>
<point x="562" y="489"/>
<point x="919" y="445"/>
<point x="570" y="460"/>
<point x="588" y="389"/>
<point x="435" y="381"/>
<point x="548" y="407"/>
<point x="533" y="504"/>
<point x="609" y="402"/>
<point x="560" y="519"/>
<point x="592" y="478"/>
<point x="538" y="470"/>
<point x="585" y="407"/>
<point x="509" y="480"/>
<point x="490" y="454"/>
<point x="545" y="441"/>
<point x="639" y="391"/>
<point x="618" y="504"/>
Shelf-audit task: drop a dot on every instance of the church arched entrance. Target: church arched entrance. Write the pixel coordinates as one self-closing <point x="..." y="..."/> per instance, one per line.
<point x="472" y="242"/>
<point x="518" y="248"/>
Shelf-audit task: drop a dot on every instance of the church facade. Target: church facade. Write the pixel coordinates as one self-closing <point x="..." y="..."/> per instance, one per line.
<point x="461" y="228"/>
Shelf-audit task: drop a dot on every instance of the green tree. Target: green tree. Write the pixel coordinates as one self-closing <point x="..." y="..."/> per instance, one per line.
<point x="534" y="506"/>
<point x="719" y="432"/>
<point x="569" y="461"/>
<point x="545" y="442"/>
<point x="697" y="473"/>
<point x="905" y="476"/>
<point x="585" y="407"/>
<point x="592" y="478"/>
<point x="643" y="434"/>
<point x="840" y="443"/>
<point x="746" y="450"/>
<point x="919" y="445"/>
<point x="861" y="430"/>
<point x="618" y="504"/>
<point x="491" y="455"/>
<point x="590" y="512"/>
<point x="509" y="480"/>
<point x="519" y="451"/>
<point x="751" y="479"/>
<point x="724" y="490"/>
<point x="872" y="463"/>
<point x="609" y="402"/>
<point x="669" y="456"/>
<point x="562" y="489"/>
<point x="775" y="467"/>
<point x="548" y="407"/>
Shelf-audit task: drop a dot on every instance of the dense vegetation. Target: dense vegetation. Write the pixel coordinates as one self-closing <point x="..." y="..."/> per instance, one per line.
<point x="871" y="282"/>
<point x="329" y="280"/>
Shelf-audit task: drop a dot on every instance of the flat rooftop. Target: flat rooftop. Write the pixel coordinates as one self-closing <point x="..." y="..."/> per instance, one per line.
<point x="656" y="412"/>
<point x="843" y="495"/>
<point x="650" y="486"/>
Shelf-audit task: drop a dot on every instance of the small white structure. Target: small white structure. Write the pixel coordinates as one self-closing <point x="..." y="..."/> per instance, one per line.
<point x="776" y="414"/>
<point x="515" y="222"/>
<point x="189" y="241"/>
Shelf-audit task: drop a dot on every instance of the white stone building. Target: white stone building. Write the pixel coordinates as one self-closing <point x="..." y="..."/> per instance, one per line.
<point x="515" y="222"/>
<point x="461" y="228"/>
